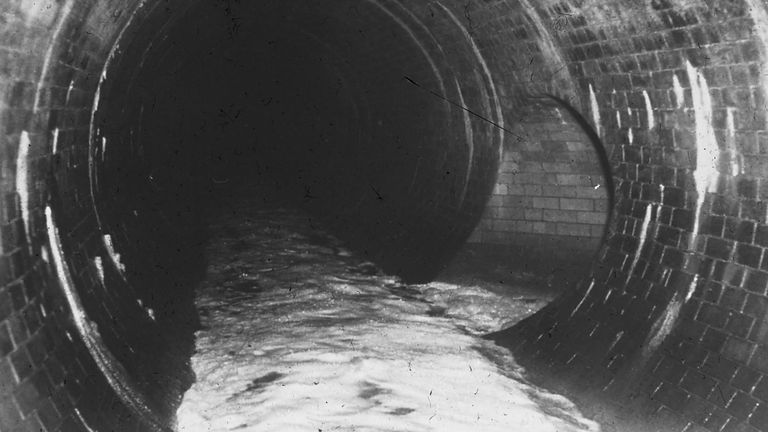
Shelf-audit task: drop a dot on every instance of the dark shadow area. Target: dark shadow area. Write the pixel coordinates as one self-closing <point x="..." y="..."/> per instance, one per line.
<point x="291" y="102"/>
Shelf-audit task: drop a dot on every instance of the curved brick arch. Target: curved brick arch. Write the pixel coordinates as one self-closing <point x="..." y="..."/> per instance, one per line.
<point x="671" y="322"/>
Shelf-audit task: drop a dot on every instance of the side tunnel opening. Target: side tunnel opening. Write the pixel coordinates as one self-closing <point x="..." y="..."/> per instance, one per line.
<point x="551" y="206"/>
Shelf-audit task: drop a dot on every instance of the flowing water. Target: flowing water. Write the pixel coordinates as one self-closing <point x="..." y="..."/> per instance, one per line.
<point x="300" y="334"/>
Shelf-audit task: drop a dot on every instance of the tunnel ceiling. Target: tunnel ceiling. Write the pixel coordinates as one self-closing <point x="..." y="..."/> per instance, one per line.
<point x="301" y="95"/>
<point x="386" y="119"/>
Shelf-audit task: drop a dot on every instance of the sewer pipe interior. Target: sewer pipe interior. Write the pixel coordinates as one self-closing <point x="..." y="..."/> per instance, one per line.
<point x="123" y="120"/>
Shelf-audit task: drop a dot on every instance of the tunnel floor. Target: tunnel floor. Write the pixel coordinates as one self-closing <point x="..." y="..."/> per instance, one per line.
<point x="299" y="333"/>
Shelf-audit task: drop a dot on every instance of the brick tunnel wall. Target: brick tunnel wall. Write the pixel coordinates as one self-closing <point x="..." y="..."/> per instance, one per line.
<point x="51" y="377"/>
<point x="550" y="195"/>
<point x="671" y="321"/>
<point x="670" y="327"/>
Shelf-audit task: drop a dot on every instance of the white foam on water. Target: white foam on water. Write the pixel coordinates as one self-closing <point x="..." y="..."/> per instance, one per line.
<point x="328" y="342"/>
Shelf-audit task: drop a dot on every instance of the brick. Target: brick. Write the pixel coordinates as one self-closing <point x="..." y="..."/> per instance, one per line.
<point x="532" y="190"/>
<point x="573" y="229"/>
<point x="719" y="248"/>
<point x="759" y="359"/>
<point x="748" y="255"/>
<point x="670" y="370"/>
<point x="739" y="325"/>
<point x="504" y="225"/>
<point x="22" y="365"/>
<point x="576" y="204"/>
<point x="495" y="201"/>
<point x="512" y="202"/>
<point x="6" y="343"/>
<point x="533" y="214"/>
<point x="719" y="368"/>
<point x="759" y="418"/>
<point x="745" y="379"/>
<point x="713" y="340"/>
<point x="712" y="315"/>
<point x="546" y="203"/>
<point x="738" y="349"/>
<point x="558" y="215"/>
<point x="755" y="305"/>
<point x="597" y="191"/>
<point x="716" y="420"/>
<point x="595" y="218"/>
<point x="756" y="282"/>
<point x="10" y="417"/>
<point x="760" y="387"/>
<point x="741" y="406"/>
<point x="556" y="191"/>
<point x="697" y="383"/>
<point x="500" y="189"/>
<point x="601" y="205"/>
<point x="510" y="213"/>
<point x="578" y="180"/>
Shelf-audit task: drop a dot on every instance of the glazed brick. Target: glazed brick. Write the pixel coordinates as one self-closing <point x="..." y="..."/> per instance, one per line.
<point x="747" y="188"/>
<point x="753" y="305"/>
<point x="668" y="236"/>
<point x="731" y="226"/>
<point x="714" y="340"/>
<point x="671" y="396"/>
<point x="748" y="255"/>
<point x="759" y="359"/>
<point x="716" y="420"/>
<point x="21" y="363"/>
<point x="741" y="406"/>
<point x="745" y="232"/>
<point x="761" y="235"/>
<point x="720" y="368"/>
<point x="760" y="390"/>
<point x="759" y="417"/>
<point x="6" y="343"/>
<point x="757" y="282"/>
<point x="669" y="370"/>
<point x="739" y="325"/>
<point x="712" y="315"/>
<point x="10" y="417"/>
<point x="738" y="349"/>
<point x="719" y="248"/>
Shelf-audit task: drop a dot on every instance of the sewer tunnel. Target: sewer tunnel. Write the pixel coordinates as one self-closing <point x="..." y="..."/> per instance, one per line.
<point x="389" y="120"/>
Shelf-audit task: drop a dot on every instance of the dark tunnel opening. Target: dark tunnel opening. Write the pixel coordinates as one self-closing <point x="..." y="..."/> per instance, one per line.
<point x="292" y="103"/>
